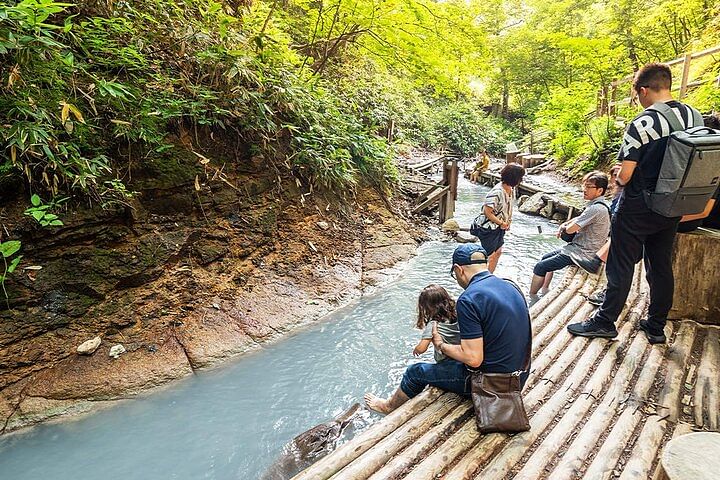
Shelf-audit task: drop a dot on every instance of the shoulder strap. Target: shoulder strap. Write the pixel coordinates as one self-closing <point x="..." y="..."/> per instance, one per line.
<point x="697" y="117"/>
<point x="666" y="111"/>
<point x="604" y="204"/>
<point x="528" y="354"/>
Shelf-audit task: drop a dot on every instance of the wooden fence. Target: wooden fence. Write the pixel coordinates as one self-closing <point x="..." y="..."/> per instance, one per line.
<point x="607" y="96"/>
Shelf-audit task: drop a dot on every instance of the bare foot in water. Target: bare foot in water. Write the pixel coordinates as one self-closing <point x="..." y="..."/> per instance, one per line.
<point x="376" y="403"/>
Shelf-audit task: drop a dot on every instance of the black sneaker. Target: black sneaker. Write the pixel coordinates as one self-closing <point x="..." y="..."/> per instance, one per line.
<point x="592" y="329"/>
<point x="652" y="337"/>
<point x="597" y="298"/>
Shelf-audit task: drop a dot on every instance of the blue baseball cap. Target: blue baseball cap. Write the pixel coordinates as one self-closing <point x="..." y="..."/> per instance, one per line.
<point x="463" y="255"/>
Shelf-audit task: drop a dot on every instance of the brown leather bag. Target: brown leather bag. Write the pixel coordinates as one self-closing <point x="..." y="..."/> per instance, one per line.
<point x="498" y="401"/>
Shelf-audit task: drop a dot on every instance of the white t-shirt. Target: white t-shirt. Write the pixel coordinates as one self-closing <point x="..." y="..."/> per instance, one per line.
<point x="501" y="204"/>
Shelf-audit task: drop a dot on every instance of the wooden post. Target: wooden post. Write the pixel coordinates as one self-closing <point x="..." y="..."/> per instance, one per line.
<point x="450" y="175"/>
<point x="444" y="200"/>
<point x="613" y="98"/>
<point x="696" y="270"/>
<point x="532" y="143"/>
<point x="685" y="75"/>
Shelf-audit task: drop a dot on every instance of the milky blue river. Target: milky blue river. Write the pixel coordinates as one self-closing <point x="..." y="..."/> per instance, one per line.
<point x="231" y="422"/>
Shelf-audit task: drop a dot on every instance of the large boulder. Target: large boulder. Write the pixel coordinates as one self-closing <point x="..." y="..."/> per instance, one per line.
<point x="547" y="210"/>
<point x="451" y="225"/>
<point x="465" y="237"/>
<point x="534" y="204"/>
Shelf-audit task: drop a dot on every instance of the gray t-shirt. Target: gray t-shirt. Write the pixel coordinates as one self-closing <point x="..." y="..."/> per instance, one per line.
<point x="450" y="333"/>
<point x="594" y="225"/>
<point x="501" y="204"/>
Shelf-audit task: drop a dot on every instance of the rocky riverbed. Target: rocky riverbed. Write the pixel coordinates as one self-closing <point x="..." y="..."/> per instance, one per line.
<point x="179" y="279"/>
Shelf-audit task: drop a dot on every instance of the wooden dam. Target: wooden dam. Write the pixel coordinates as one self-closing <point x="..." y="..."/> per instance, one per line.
<point x="598" y="409"/>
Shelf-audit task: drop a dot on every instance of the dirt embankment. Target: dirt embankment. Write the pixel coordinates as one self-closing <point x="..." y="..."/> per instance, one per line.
<point x="183" y="280"/>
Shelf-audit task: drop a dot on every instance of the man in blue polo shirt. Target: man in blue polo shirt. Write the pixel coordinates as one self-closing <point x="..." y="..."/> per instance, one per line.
<point x="494" y="334"/>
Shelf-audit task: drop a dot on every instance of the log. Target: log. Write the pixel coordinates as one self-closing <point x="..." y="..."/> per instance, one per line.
<point x="608" y="455"/>
<point x="427" y="192"/>
<point x="707" y="387"/>
<point x="570" y="464"/>
<point x="559" y="302"/>
<point x="513" y="452"/>
<point x="448" y="451"/>
<point x="534" y="466"/>
<point x="548" y="298"/>
<point x="415" y="451"/>
<point x="695" y="456"/>
<point x="489" y="444"/>
<point x="411" y="431"/>
<point x="328" y="466"/>
<point x="696" y="268"/>
<point x="680" y="429"/>
<point x="432" y="198"/>
<point x="424" y="165"/>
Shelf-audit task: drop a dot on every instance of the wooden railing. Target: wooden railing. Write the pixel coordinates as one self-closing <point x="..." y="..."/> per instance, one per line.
<point x="443" y="193"/>
<point x="607" y="96"/>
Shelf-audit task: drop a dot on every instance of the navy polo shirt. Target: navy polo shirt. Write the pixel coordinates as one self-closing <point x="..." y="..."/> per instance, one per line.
<point x="495" y="310"/>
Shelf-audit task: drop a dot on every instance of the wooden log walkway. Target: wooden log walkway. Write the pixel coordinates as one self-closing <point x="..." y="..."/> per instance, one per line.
<point x="598" y="409"/>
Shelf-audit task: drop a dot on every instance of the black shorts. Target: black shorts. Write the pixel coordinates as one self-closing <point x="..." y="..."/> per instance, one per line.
<point x="490" y="239"/>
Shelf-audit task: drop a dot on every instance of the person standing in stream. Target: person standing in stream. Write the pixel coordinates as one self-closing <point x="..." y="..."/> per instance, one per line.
<point x="496" y="216"/>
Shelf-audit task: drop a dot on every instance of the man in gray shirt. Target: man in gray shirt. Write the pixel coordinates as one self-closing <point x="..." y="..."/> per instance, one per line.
<point x="586" y="235"/>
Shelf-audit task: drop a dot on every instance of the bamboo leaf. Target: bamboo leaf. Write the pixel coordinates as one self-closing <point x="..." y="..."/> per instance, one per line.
<point x="9" y="248"/>
<point x="65" y="112"/>
<point x="13" y="265"/>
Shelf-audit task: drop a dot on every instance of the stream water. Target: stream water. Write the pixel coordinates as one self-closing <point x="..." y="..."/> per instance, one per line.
<point x="232" y="422"/>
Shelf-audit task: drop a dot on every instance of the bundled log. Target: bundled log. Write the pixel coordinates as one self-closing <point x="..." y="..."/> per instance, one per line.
<point x="328" y="466"/>
<point x="570" y="277"/>
<point x="411" y="455"/>
<point x="707" y="387"/>
<point x="570" y="391"/>
<point x="376" y="457"/>
<point x="596" y="386"/>
<point x="608" y="455"/>
<point x="570" y="464"/>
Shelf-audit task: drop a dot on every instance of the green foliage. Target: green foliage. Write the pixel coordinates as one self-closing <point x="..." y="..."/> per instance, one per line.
<point x="313" y="88"/>
<point x="40" y="212"/>
<point x="8" y="252"/>
<point x="468" y="130"/>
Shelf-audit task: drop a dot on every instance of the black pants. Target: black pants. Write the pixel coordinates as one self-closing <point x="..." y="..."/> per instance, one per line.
<point x="630" y="233"/>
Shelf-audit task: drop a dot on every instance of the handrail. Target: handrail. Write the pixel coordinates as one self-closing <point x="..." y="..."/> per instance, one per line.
<point x="606" y="95"/>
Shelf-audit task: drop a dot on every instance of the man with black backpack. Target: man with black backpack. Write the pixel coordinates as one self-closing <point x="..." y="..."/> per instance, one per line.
<point x="663" y="179"/>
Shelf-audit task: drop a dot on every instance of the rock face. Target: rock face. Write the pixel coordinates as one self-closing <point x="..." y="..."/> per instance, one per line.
<point x="183" y="280"/>
<point x="89" y="347"/>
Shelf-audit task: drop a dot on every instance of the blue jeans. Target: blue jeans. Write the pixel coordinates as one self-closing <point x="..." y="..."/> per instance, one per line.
<point x="551" y="262"/>
<point x="449" y="375"/>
